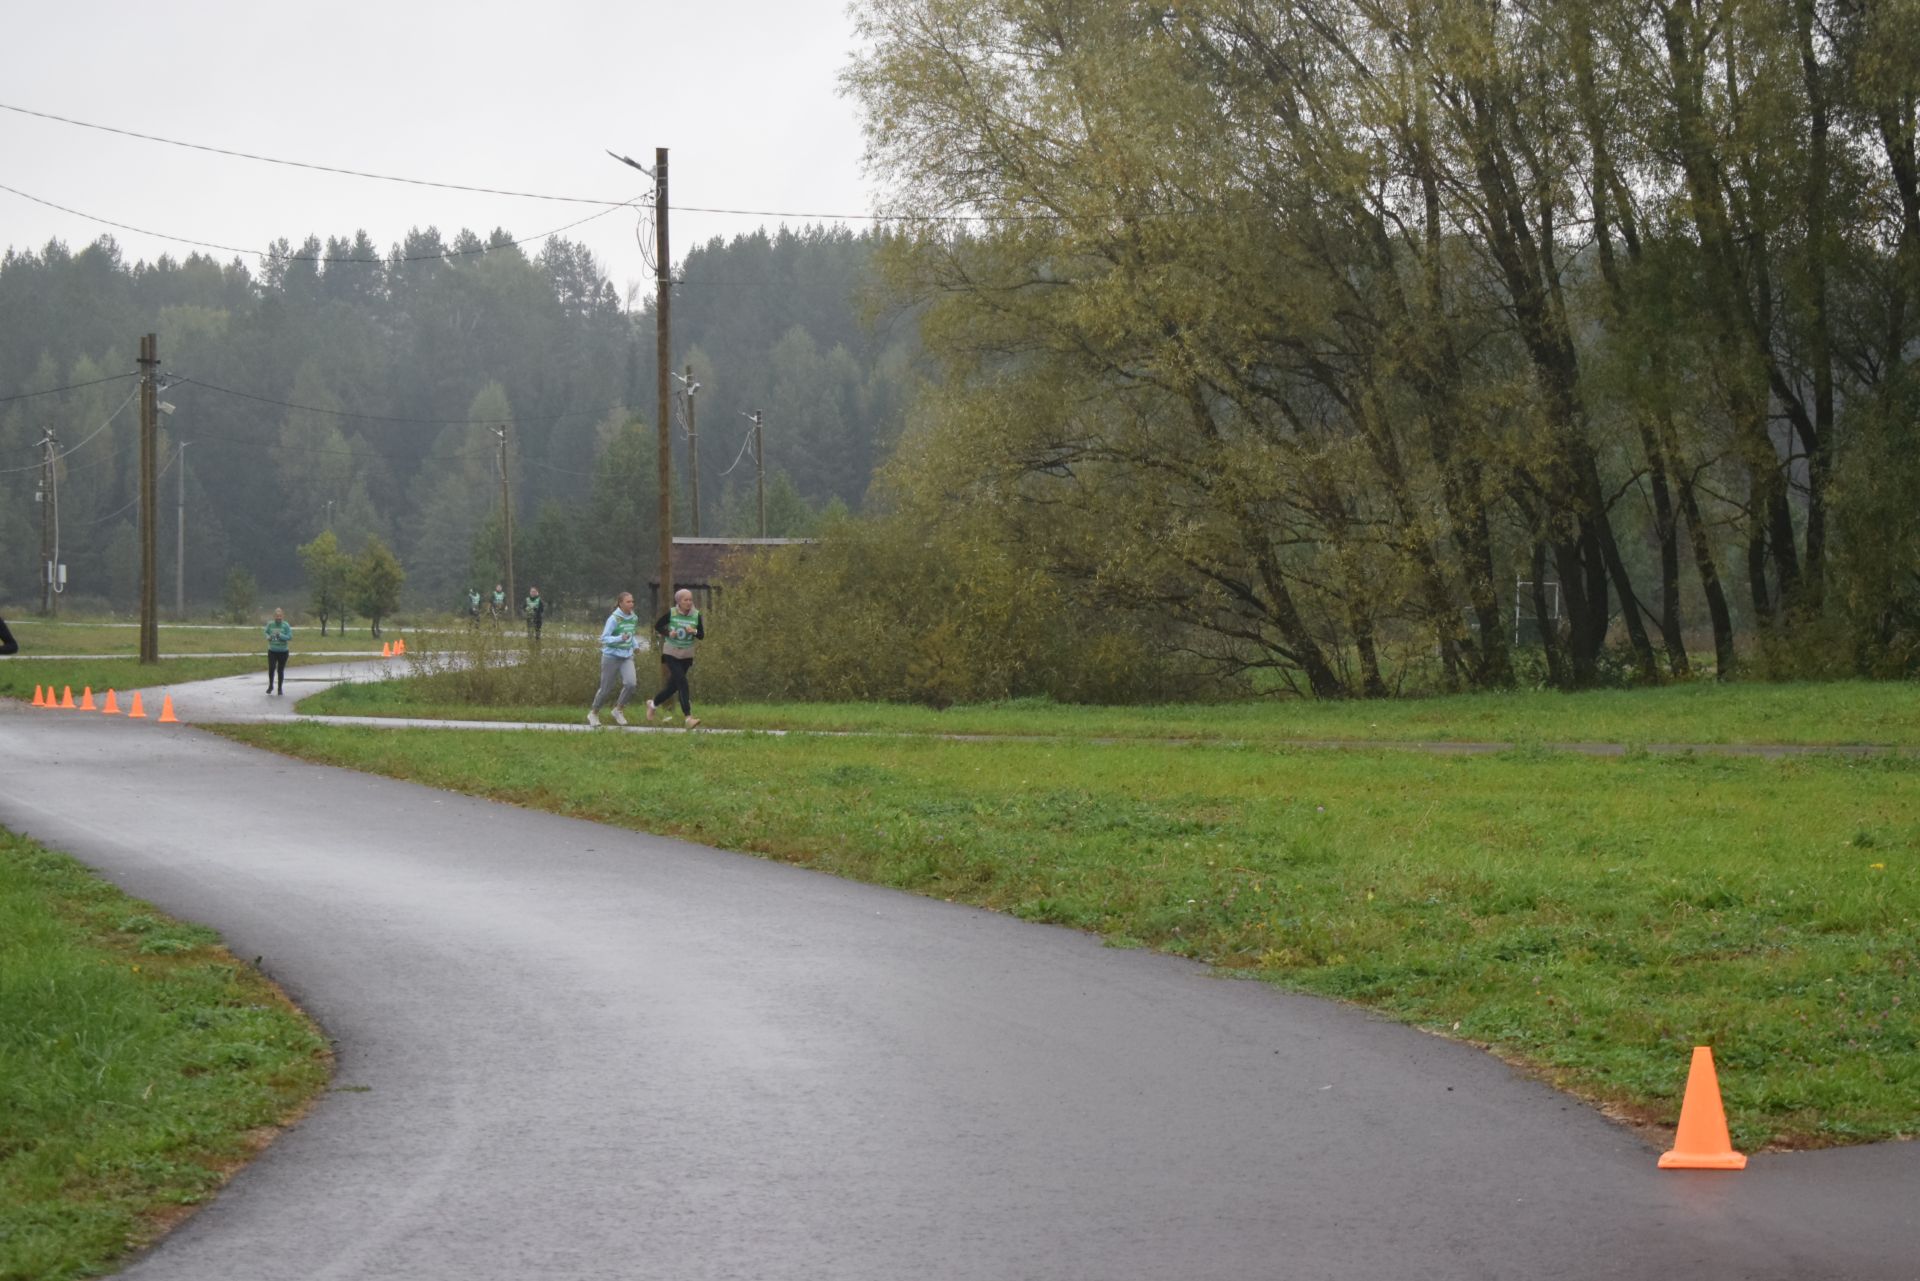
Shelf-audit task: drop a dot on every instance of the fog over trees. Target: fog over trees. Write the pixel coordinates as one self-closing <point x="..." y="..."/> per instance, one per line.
<point x="339" y="387"/>
<point x="1355" y="344"/>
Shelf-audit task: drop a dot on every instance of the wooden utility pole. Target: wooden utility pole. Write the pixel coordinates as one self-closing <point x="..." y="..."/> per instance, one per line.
<point x="693" y="452"/>
<point x="759" y="470"/>
<point x="149" y="498"/>
<point x="180" y="536"/>
<point x="48" y="497"/>
<point x="663" y="360"/>
<point x="506" y="512"/>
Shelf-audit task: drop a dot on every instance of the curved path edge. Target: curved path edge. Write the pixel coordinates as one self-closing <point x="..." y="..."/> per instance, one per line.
<point x="569" y="1051"/>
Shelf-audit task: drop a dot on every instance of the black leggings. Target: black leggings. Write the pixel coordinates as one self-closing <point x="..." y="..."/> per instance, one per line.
<point x="277" y="666"/>
<point x="676" y="680"/>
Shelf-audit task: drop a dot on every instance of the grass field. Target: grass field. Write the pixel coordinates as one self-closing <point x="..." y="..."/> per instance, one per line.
<point x="139" y="1065"/>
<point x="1831" y="713"/>
<point x="92" y="637"/>
<point x="1592" y="919"/>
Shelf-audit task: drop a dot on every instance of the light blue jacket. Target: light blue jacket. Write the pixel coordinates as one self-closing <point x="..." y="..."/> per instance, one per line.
<point x="618" y="636"/>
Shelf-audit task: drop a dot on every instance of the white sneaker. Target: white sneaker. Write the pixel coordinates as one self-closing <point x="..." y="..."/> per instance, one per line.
<point x="649" y="709"/>
<point x="619" y="717"/>
<point x="593" y="719"/>
<point x="692" y="721"/>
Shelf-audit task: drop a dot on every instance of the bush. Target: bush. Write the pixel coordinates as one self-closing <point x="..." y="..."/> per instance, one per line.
<point x="497" y="667"/>
<point x="903" y="610"/>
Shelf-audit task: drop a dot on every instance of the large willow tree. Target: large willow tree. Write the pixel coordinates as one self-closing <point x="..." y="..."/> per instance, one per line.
<point x="1333" y="327"/>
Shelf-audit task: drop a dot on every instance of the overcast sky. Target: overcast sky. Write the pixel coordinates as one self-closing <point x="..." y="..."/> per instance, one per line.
<point x="520" y="96"/>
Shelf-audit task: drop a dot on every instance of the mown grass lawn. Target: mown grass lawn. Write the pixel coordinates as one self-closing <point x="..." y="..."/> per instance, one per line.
<point x="1841" y="712"/>
<point x="139" y="1065"/>
<point x="1593" y="919"/>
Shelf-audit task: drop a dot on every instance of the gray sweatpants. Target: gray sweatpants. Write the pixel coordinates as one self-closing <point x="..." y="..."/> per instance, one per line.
<point x="611" y="670"/>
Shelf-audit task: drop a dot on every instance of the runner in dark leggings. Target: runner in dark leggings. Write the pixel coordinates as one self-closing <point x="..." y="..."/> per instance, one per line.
<point x="8" y="645"/>
<point x="678" y="629"/>
<point x="279" y="638"/>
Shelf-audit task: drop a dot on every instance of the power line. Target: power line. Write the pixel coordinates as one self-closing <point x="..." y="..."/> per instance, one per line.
<point x="384" y="455"/>
<point x="358" y="454"/>
<point x="89" y="436"/>
<point x="739" y="457"/>
<point x="393" y="418"/>
<point x="532" y="195"/>
<point x="274" y="257"/>
<point x="177" y="453"/>
<point x="301" y="164"/>
<point x="54" y="391"/>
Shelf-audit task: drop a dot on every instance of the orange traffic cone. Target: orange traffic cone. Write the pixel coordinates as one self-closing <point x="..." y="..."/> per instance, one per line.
<point x="1702" y="1143"/>
<point x="112" y="706"/>
<point x="86" y="701"/>
<point x="386" y="650"/>
<point x="135" y="712"/>
<point x="400" y="646"/>
<point x="166" y="711"/>
<point x="66" y="698"/>
<point x="39" y="698"/>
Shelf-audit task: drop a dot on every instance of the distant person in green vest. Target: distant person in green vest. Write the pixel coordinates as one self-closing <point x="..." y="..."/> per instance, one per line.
<point x="499" y="609"/>
<point x="473" y="604"/>
<point x="279" y="639"/>
<point x="678" y="629"/>
<point x="617" y="640"/>
<point x="536" y="611"/>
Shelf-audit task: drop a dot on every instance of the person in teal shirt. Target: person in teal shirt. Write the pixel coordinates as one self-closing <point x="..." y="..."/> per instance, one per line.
<point x="279" y="641"/>
<point x="617" y="641"/>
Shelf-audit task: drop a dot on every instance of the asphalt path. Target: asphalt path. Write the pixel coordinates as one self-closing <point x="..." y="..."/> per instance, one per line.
<point x="570" y="1051"/>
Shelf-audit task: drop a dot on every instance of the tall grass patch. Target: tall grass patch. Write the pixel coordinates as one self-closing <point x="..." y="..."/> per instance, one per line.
<point x="139" y="1064"/>
<point x="498" y="666"/>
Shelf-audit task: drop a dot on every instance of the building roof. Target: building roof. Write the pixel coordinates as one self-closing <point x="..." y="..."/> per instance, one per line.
<point x="702" y="562"/>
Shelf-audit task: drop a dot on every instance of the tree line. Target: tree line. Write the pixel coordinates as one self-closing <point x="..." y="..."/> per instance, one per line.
<point x="340" y="390"/>
<point x="1348" y="334"/>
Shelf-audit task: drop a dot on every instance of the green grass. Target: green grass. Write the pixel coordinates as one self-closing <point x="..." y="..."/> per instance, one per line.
<point x="139" y="1064"/>
<point x="18" y="675"/>
<point x="89" y="637"/>
<point x="1592" y="919"/>
<point x="1831" y="713"/>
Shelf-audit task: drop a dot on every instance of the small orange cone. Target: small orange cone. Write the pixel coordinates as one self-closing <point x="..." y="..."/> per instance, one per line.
<point x="86" y="701"/>
<point x="166" y="711"/>
<point x="135" y="712"/>
<point x="39" y="698"/>
<point x="400" y="646"/>
<point x="386" y="650"/>
<point x="112" y="706"/>
<point x="66" y="698"/>
<point x="1702" y="1142"/>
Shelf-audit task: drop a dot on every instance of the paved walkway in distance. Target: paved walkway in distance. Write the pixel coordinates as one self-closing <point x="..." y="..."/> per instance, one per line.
<point x="570" y="1051"/>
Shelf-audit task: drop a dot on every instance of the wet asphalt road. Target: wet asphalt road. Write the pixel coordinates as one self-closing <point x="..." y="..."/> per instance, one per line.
<point x="567" y="1051"/>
